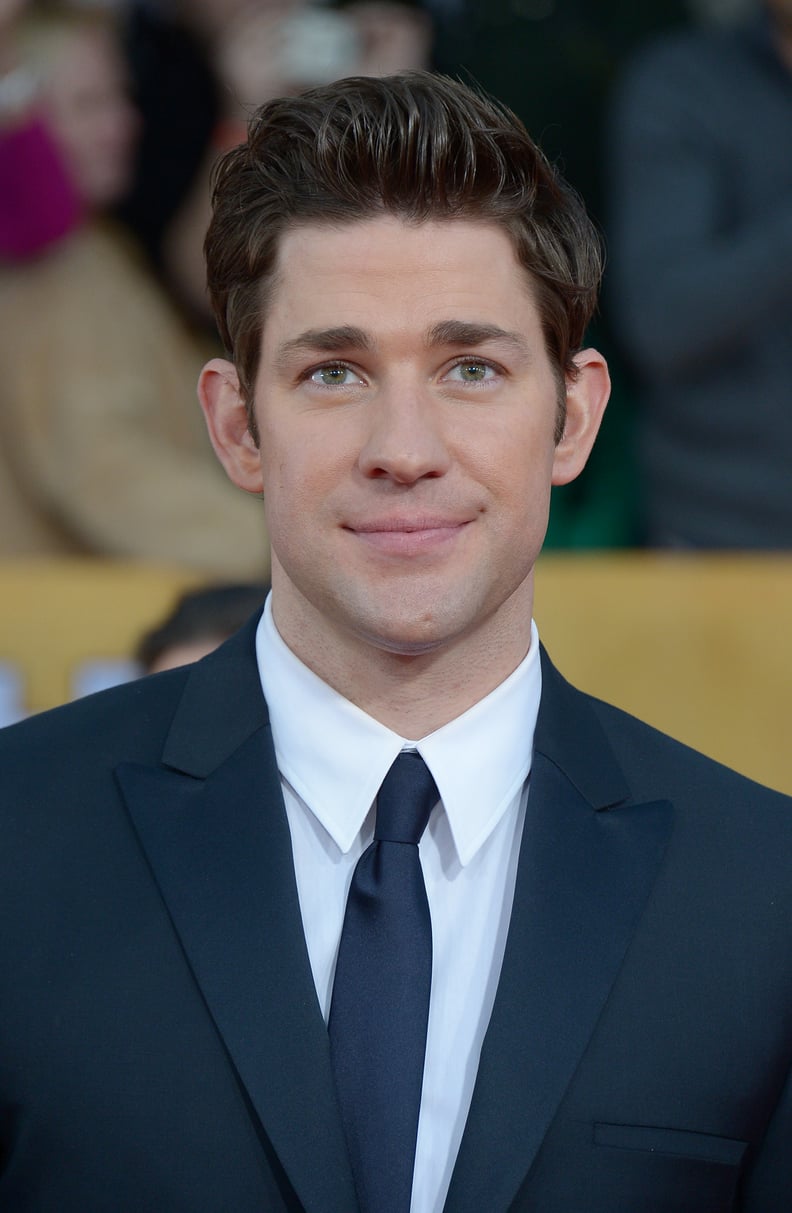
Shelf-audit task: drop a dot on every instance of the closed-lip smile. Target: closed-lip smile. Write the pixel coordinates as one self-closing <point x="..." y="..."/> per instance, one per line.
<point x="408" y="536"/>
<point x="427" y="522"/>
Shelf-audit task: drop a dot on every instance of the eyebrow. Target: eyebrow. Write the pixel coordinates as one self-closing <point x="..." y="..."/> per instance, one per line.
<point x="325" y="341"/>
<point x="446" y="332"/>
<point x="470" y="333"/>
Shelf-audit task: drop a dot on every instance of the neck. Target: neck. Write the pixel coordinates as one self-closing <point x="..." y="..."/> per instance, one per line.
<point x="416" y="694"/>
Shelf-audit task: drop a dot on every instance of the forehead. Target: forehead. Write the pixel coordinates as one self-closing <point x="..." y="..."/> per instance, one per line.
<point x="386" y="271"/>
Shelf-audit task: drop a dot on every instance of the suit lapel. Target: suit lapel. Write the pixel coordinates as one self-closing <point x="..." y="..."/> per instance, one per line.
<point x="587" y="863"/>
<point x="214" y="830"/>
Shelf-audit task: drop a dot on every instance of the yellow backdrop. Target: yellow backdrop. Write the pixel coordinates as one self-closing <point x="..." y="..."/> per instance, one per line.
<point x="698" y="645"/>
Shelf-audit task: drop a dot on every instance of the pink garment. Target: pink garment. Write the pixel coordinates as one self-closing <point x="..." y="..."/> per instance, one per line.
<point x="38" y="203"/>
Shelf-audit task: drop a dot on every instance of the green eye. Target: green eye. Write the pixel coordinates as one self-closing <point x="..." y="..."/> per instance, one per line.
<point x="332" y="376"/>
<point x="473" y="372"/>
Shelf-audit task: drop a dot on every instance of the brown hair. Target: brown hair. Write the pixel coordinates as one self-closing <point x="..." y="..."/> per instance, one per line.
<point x="415" y="145"/>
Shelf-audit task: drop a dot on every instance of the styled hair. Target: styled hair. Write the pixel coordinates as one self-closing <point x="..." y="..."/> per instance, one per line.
<point x="417" y="146"/>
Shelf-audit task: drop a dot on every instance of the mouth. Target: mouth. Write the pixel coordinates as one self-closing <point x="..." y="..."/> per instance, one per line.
<point x="409" y="536"/>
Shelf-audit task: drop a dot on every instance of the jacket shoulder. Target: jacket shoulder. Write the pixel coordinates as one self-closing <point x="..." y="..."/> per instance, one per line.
<point x="127" y="722"/>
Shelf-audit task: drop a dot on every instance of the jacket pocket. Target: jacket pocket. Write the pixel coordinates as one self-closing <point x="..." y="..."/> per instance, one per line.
<point x="680" y="1142"/>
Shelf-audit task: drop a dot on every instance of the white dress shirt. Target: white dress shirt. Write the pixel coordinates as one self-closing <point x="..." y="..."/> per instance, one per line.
<point x="332" y="758"/>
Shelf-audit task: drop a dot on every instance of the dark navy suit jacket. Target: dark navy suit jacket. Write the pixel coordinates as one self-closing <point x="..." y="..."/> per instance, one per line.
<point x="161" y="1044"/>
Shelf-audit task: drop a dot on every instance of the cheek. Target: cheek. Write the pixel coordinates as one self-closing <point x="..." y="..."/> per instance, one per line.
<point x="305" y="462"/>
<point x="520" y="504"/>
<point x="516" y="464"/>
<point x="296" y="488"/>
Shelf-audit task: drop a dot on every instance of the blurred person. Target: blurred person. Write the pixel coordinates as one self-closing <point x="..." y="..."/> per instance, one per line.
<point x="223" y="58"/>
<point x="38" y="201"/>
<point x="701" y="278"/>
<point x="101" y="452"/>
<point x="168" y="47"/>
<point x="198" y="623"/>
<point x="554" y="63"/>
<point x="369" y="911"/>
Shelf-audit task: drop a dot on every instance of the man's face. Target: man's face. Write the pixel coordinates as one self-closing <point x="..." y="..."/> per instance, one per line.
<point x="406" y="408"/>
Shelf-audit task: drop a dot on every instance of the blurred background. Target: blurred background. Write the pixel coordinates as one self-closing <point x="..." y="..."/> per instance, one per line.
<point x="667" y="579"/>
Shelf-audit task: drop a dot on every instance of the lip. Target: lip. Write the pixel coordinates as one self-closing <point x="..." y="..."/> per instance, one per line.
<point x="409" y="536"/>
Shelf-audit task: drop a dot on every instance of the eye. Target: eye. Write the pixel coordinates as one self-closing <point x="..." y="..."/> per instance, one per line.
<point x="471" y="370"/>
<point x="334" y="374"/>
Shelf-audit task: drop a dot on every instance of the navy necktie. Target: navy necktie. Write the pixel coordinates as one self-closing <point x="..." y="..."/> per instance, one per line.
<point x="380" y="1001"/>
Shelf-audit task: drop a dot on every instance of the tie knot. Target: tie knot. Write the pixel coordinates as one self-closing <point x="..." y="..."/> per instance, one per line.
<point x="405" y="800"/>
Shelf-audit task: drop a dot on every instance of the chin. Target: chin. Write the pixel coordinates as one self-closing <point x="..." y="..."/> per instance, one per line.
<point x="407" y="647"/>
<point x="411" y="637"/>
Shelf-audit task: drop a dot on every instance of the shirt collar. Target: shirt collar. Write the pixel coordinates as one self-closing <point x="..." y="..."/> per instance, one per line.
<point x="334" y="756"/>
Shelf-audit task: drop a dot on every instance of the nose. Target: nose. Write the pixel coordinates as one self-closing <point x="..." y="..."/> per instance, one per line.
<point x="405" y="440"/>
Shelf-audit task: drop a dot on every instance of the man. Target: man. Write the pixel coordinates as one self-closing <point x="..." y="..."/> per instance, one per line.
<point x="571" y="990"/>
<point x="701" y="277"/>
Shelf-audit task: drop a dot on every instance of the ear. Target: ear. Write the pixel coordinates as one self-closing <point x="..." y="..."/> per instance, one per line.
<point x="227" y="421"/>
<point x="586" y="396"/>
